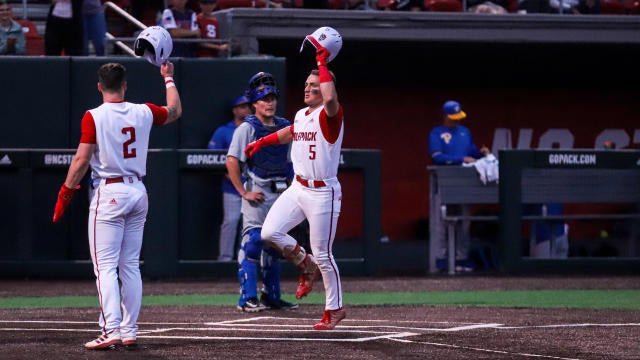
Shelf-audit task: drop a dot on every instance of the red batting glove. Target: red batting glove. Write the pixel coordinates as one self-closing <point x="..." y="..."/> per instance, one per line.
<point x="253" y="147"/>
<point x="322" y="54"/>
<point x="64" y="197"/>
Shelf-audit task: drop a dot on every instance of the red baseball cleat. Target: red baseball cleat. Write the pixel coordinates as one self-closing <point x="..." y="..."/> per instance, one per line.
<point x="330" y="319"/>
<point x="306" y="280"/>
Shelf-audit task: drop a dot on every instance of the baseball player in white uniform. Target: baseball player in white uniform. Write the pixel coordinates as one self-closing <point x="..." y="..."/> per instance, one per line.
<point x="114" y="142"/>
<point x="316" y="138"/>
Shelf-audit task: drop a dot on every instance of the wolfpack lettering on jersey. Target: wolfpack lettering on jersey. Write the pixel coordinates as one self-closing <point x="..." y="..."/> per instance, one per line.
<point x="312" y="142"/>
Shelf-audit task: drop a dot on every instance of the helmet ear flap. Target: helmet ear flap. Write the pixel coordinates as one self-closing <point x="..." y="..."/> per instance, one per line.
<point x="141" y="46"/>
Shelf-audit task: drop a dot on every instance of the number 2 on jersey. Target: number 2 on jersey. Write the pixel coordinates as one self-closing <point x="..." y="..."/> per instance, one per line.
<point x="127" y="151"/>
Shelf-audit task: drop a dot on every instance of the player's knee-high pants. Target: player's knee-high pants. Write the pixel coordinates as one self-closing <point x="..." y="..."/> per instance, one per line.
<point x="116" y="223"/>
<point x="321" y="207"/>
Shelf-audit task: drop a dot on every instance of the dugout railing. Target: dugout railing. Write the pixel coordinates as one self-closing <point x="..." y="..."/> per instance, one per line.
<point x="181" y="232"/>
<point x="571" y="177"/>
<point x="532" y="177"/>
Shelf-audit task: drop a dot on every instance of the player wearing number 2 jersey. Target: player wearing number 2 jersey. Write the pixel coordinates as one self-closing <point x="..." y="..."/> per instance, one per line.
<point x="316" y="138"/>
<point x="114" y="142"/>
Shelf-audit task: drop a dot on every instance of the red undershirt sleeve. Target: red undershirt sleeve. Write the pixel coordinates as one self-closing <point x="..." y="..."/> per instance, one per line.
<point x="331" y="125"/>
<point x="88" y="129"/>
<point x="160" y="114"/>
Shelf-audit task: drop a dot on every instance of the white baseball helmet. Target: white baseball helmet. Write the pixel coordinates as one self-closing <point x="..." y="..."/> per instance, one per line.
<point x="155" y="44"/>
<point x="326" y="37"/>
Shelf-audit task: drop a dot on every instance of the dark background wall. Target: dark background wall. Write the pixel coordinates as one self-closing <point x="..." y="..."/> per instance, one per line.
<point x="393" y="92"/>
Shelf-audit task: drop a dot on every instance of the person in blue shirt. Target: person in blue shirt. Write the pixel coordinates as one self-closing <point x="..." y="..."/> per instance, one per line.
<point x="452" y="144"/>
<point x="231" y="200"/>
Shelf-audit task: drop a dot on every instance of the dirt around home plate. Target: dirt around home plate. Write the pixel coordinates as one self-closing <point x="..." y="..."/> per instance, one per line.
<point x="369" y="332"/>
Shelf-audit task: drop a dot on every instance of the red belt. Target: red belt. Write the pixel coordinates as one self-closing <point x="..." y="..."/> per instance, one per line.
<point x="311" y="183"/>
<point x="121" y="179"/>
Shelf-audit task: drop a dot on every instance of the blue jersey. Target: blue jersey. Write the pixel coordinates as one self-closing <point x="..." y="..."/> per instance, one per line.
<point x="270" y="161"/>
<point x="221" y="139"/>
<point x="450" y="146"/>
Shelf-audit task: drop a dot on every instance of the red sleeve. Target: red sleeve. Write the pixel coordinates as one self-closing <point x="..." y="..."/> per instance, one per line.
<point x="331" y="125"/>
<point x="160" y="114"/>
<point x="88" y="129"/>
<point x="291" y="129"/>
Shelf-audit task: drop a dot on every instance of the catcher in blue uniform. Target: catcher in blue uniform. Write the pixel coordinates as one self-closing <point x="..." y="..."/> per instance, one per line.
<point x="268" y="173"/>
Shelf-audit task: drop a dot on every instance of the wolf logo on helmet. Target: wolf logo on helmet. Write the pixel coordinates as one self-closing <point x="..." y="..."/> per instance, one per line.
<point x="154" y="44"/>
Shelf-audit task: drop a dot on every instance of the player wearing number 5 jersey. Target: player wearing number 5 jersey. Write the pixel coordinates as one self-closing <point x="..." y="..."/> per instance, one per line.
<point x="316" y="138"/>
<point x="114" y="142"/>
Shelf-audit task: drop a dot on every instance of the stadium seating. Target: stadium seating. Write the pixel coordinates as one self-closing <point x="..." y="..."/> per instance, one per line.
<point x="34" y="42"/>
<point x="443" y="5"/>
<point x="632" y="7"/>
<point x="612" y="7"/>
<point x="385" y="4"/>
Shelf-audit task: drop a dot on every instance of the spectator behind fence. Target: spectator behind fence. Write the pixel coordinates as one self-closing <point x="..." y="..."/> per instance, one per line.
<point x="231" y="199"/>
<point x="452" y="144"/>
<point x="181" y="23"/>
<point x="405" y="5"/>
<point x="208" y="24"/>
<point x="64" y="31"/>
<point x="587" y="7"/>
<point x="567" y="6"/>
<point x="12" y="40"/>
<point x="95" y="26"/>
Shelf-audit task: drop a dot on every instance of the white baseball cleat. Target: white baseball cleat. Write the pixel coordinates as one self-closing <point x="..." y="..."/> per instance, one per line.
<point x="104" y="341"/>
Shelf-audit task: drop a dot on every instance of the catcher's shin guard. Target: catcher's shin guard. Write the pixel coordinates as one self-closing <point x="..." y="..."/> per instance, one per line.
<point x="248" y="278"/>
<point x="270" y="262"/>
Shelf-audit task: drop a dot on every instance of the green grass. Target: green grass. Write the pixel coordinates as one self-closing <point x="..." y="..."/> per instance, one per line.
<point x="576" y="299"/>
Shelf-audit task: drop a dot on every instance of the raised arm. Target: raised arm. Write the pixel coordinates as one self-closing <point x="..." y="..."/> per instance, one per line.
<point x="327" y="84"/>
<point x="174" y="105"/>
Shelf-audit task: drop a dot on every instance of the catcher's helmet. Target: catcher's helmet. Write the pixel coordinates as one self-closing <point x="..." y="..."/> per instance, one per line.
<point x="261" y="78"/>
<point x="155" y="44"/>
<point x="326" y="37"/>
<point x="262" y="91"/>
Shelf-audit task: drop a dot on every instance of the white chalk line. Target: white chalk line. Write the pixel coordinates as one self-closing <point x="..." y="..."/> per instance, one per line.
<point x="252" y="338"/>
<point x="483" y="350"/>
<point x="374" y="332"/>
<point x="569" y="325"/>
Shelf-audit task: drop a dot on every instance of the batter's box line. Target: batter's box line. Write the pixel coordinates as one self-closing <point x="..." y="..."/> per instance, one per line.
<point x="258" y="318"/>
<point x="504" y="352"/>
<point x="297" y="339"/>
<point x="141" y="335"/>
<point x="568" y="325"/>
<point x="343" y="325"/>
<point x="285" y="329"/>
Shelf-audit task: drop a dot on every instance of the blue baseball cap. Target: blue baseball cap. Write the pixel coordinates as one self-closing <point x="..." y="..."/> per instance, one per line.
<point x="453" y="110"/>
<point x="240" y="100"/>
